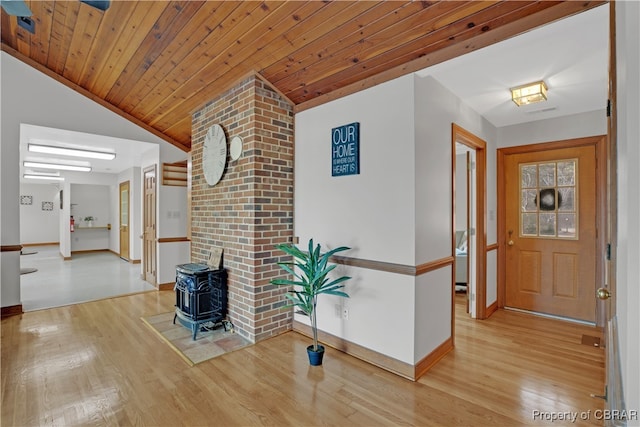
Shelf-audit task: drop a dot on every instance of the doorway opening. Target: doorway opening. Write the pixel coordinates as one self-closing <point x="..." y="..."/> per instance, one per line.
<point x="124" y="220"/>
<point x="468" y="222"/>
<point x="464" y="224"/>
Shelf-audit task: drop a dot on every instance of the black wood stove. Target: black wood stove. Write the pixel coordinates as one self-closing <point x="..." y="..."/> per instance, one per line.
<point x="201" y="296"/>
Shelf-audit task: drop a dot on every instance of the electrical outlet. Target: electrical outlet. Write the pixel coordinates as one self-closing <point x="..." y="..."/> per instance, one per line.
<point x="345" y="313"/>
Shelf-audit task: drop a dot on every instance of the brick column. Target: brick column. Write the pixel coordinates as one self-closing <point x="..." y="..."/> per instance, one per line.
<point x="251" y="208"/>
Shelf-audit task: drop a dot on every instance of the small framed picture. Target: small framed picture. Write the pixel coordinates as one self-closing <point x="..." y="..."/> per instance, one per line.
<point x="47" y="206"/>
<point x="26" y="200"/>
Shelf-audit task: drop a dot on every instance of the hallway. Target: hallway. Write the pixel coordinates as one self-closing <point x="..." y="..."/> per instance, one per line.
<point x="86" y="277"/>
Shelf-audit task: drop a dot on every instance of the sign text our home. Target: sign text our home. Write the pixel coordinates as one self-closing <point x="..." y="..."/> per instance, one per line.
<point x="345" y="150"/>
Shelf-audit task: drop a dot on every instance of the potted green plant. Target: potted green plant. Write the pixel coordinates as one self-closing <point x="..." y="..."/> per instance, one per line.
<point x="89" y="220"/>
<point x="309" y="271"/>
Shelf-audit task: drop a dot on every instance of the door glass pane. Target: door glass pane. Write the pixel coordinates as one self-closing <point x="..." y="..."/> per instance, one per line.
<point x="567" y="173"/>
<point x="566" y="199"/>
<point x="547" y="224"/>
<point x="529" y="176"/>
<point x="566" y="225"/>
<point x="529" y="201"/>
<point x="548" y="199"/>
<point x="547" y="172"/>
<point x="124" y="206"/>
<point x="529" y="224"/>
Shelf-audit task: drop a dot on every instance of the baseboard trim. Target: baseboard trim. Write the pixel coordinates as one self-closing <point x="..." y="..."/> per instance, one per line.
<point x="166" y="286"/>
<point x="491" y="309"/>
<point x="87" y="251"/>
<point x="432" y="358"/>
<point x="132" y="261"/>
<point x="370" y="356"/>
<point x="12" y="310"/>
<point x="42" y="244"/>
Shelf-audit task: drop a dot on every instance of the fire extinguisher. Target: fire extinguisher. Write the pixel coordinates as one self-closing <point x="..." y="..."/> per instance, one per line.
<point x="73" y="222"/>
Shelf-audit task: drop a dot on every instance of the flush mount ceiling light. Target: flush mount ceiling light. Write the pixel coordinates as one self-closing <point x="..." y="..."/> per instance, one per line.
<point x="75" y="152"/>
<point x="529" y="93"/>
<point x="58" y="166"/>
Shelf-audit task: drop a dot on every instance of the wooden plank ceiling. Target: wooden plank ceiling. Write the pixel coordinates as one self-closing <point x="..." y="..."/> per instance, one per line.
<point x="156" y="62"/>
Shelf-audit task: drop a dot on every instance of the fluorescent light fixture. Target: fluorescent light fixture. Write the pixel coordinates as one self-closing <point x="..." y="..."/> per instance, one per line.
<point x="32" y="172"/>
<point x="75" y="152"/>
<point x="529" y="93"/>
<point x="57" y="166"/>
<point x="50" y="177"/>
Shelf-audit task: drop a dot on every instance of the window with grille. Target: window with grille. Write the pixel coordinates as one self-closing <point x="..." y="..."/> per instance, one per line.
<point x="548" y="202"/>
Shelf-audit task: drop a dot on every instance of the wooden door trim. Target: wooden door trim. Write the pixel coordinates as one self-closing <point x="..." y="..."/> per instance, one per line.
<point x="612" y="150"/>
<point x="600" y="144"/>
<point x="459" y="134"/>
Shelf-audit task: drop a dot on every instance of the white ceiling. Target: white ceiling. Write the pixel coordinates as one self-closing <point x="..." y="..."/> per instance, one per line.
<point x="570" y="55"/>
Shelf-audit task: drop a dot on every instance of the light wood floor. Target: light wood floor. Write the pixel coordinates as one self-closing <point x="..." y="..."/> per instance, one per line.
<point x="98" y="363"/>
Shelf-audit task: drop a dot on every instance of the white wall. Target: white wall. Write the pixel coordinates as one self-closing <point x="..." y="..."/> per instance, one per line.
<point x="628" y="250"/>
<point x="64" y="229"/>
<point x="58" y="107"/>
<point x="568" y="127"/>
<point x="397" y="210"/>
<point x="136" y="196"/>
<point x="373" y="212"/>
<point x="172" y="216"/>
<point x="37" y="225"/>
<point x="173" y="211"/>
<point x="436" y="109"/>
<point x="91" y="200"/>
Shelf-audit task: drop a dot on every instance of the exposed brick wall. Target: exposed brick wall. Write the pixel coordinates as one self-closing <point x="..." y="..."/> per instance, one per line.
<point x="251" y="208"/>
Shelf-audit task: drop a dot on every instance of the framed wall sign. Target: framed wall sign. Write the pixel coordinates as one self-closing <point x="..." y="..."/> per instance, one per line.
<point x="47" y="206"/>
<point x="26" y="200"/>
<point x="345" y="150"/>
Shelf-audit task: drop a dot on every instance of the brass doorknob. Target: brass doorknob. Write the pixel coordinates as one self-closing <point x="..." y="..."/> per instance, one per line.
<point x="510" y="243"/>
<point x="603" y="294"/>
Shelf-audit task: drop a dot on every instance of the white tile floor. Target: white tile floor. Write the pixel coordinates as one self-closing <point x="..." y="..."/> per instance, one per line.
<point x="86" y="277"/>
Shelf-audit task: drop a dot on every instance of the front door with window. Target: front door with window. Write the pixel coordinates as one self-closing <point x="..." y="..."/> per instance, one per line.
<point x="550" y="250"/>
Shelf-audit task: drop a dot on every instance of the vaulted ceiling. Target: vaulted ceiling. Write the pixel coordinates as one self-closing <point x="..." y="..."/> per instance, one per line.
<point x="156" y="62"/>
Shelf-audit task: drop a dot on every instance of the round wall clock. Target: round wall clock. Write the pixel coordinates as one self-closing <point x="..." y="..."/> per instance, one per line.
<point x="235" y="147"/>
<point x="214" y="154"/>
